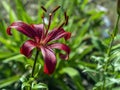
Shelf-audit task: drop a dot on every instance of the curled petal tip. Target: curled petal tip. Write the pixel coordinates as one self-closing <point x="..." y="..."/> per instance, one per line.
<point x="65" y="57"/>
<point x="23" y="28"/>
<point x="9" y="31"/>
<point x="63" y="47"/>
<point x="68" y="36"/>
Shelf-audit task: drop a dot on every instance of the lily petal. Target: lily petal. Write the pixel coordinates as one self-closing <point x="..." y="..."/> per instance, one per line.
<point x="50" y="60"/>
<point x="23" y="28"/>
<point x="57" y="34"/>
<point x="39" y="29"/>
<point x="27" y="48"/>
<point x="61" y="47"/>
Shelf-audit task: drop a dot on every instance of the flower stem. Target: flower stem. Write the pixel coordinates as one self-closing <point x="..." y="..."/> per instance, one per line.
<point x="33" y="69"/>
<point x="114" y="33"/>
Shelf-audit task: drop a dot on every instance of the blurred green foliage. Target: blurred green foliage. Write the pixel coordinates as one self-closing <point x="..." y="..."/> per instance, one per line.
<point x="88" y="46"/>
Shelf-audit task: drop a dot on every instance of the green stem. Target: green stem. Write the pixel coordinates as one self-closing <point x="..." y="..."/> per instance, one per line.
<point x="114" y="33"/>
<point x="33" y="69"/>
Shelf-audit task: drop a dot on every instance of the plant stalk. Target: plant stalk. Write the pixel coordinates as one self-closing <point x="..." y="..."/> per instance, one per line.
<point x="114" y="33"/>
<point x="33" y="69"/>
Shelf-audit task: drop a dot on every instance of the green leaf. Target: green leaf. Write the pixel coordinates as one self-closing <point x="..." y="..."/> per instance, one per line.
<point x="21" y="12"/>
<point x="92" y="73"/>
<point x="74" y="74"/>
<point x="80" y="34"/>
<point x="9" y="10"/>
<point x="116" y="88"/>
<point x="8" y="43"/>
<point x="3" y="28"/>
<point x="25" y="86"/>
<point x="8" y="81"/>
<point x="15" y="58"/>
<point x="5" y="54"/>
<point x="98" y="85"/>
<point x="40" y="86"/>
<point x="37" y="69"/>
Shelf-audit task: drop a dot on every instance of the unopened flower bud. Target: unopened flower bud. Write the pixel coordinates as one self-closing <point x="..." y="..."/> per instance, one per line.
<point x="118" y="7"/>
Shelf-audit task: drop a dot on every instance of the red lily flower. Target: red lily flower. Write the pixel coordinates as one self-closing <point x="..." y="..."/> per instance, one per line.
<point x="40" y="39"/>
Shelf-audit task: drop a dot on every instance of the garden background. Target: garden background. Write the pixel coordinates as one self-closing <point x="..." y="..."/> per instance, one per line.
<point x="90" y="22"/>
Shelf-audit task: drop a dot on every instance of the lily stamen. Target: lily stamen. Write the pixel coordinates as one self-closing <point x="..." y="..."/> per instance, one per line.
<point x="44" y="9"/>
<point x="54" y="10"/>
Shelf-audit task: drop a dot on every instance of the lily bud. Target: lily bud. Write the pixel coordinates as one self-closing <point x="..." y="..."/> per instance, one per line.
<point x="118" y="7"/>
